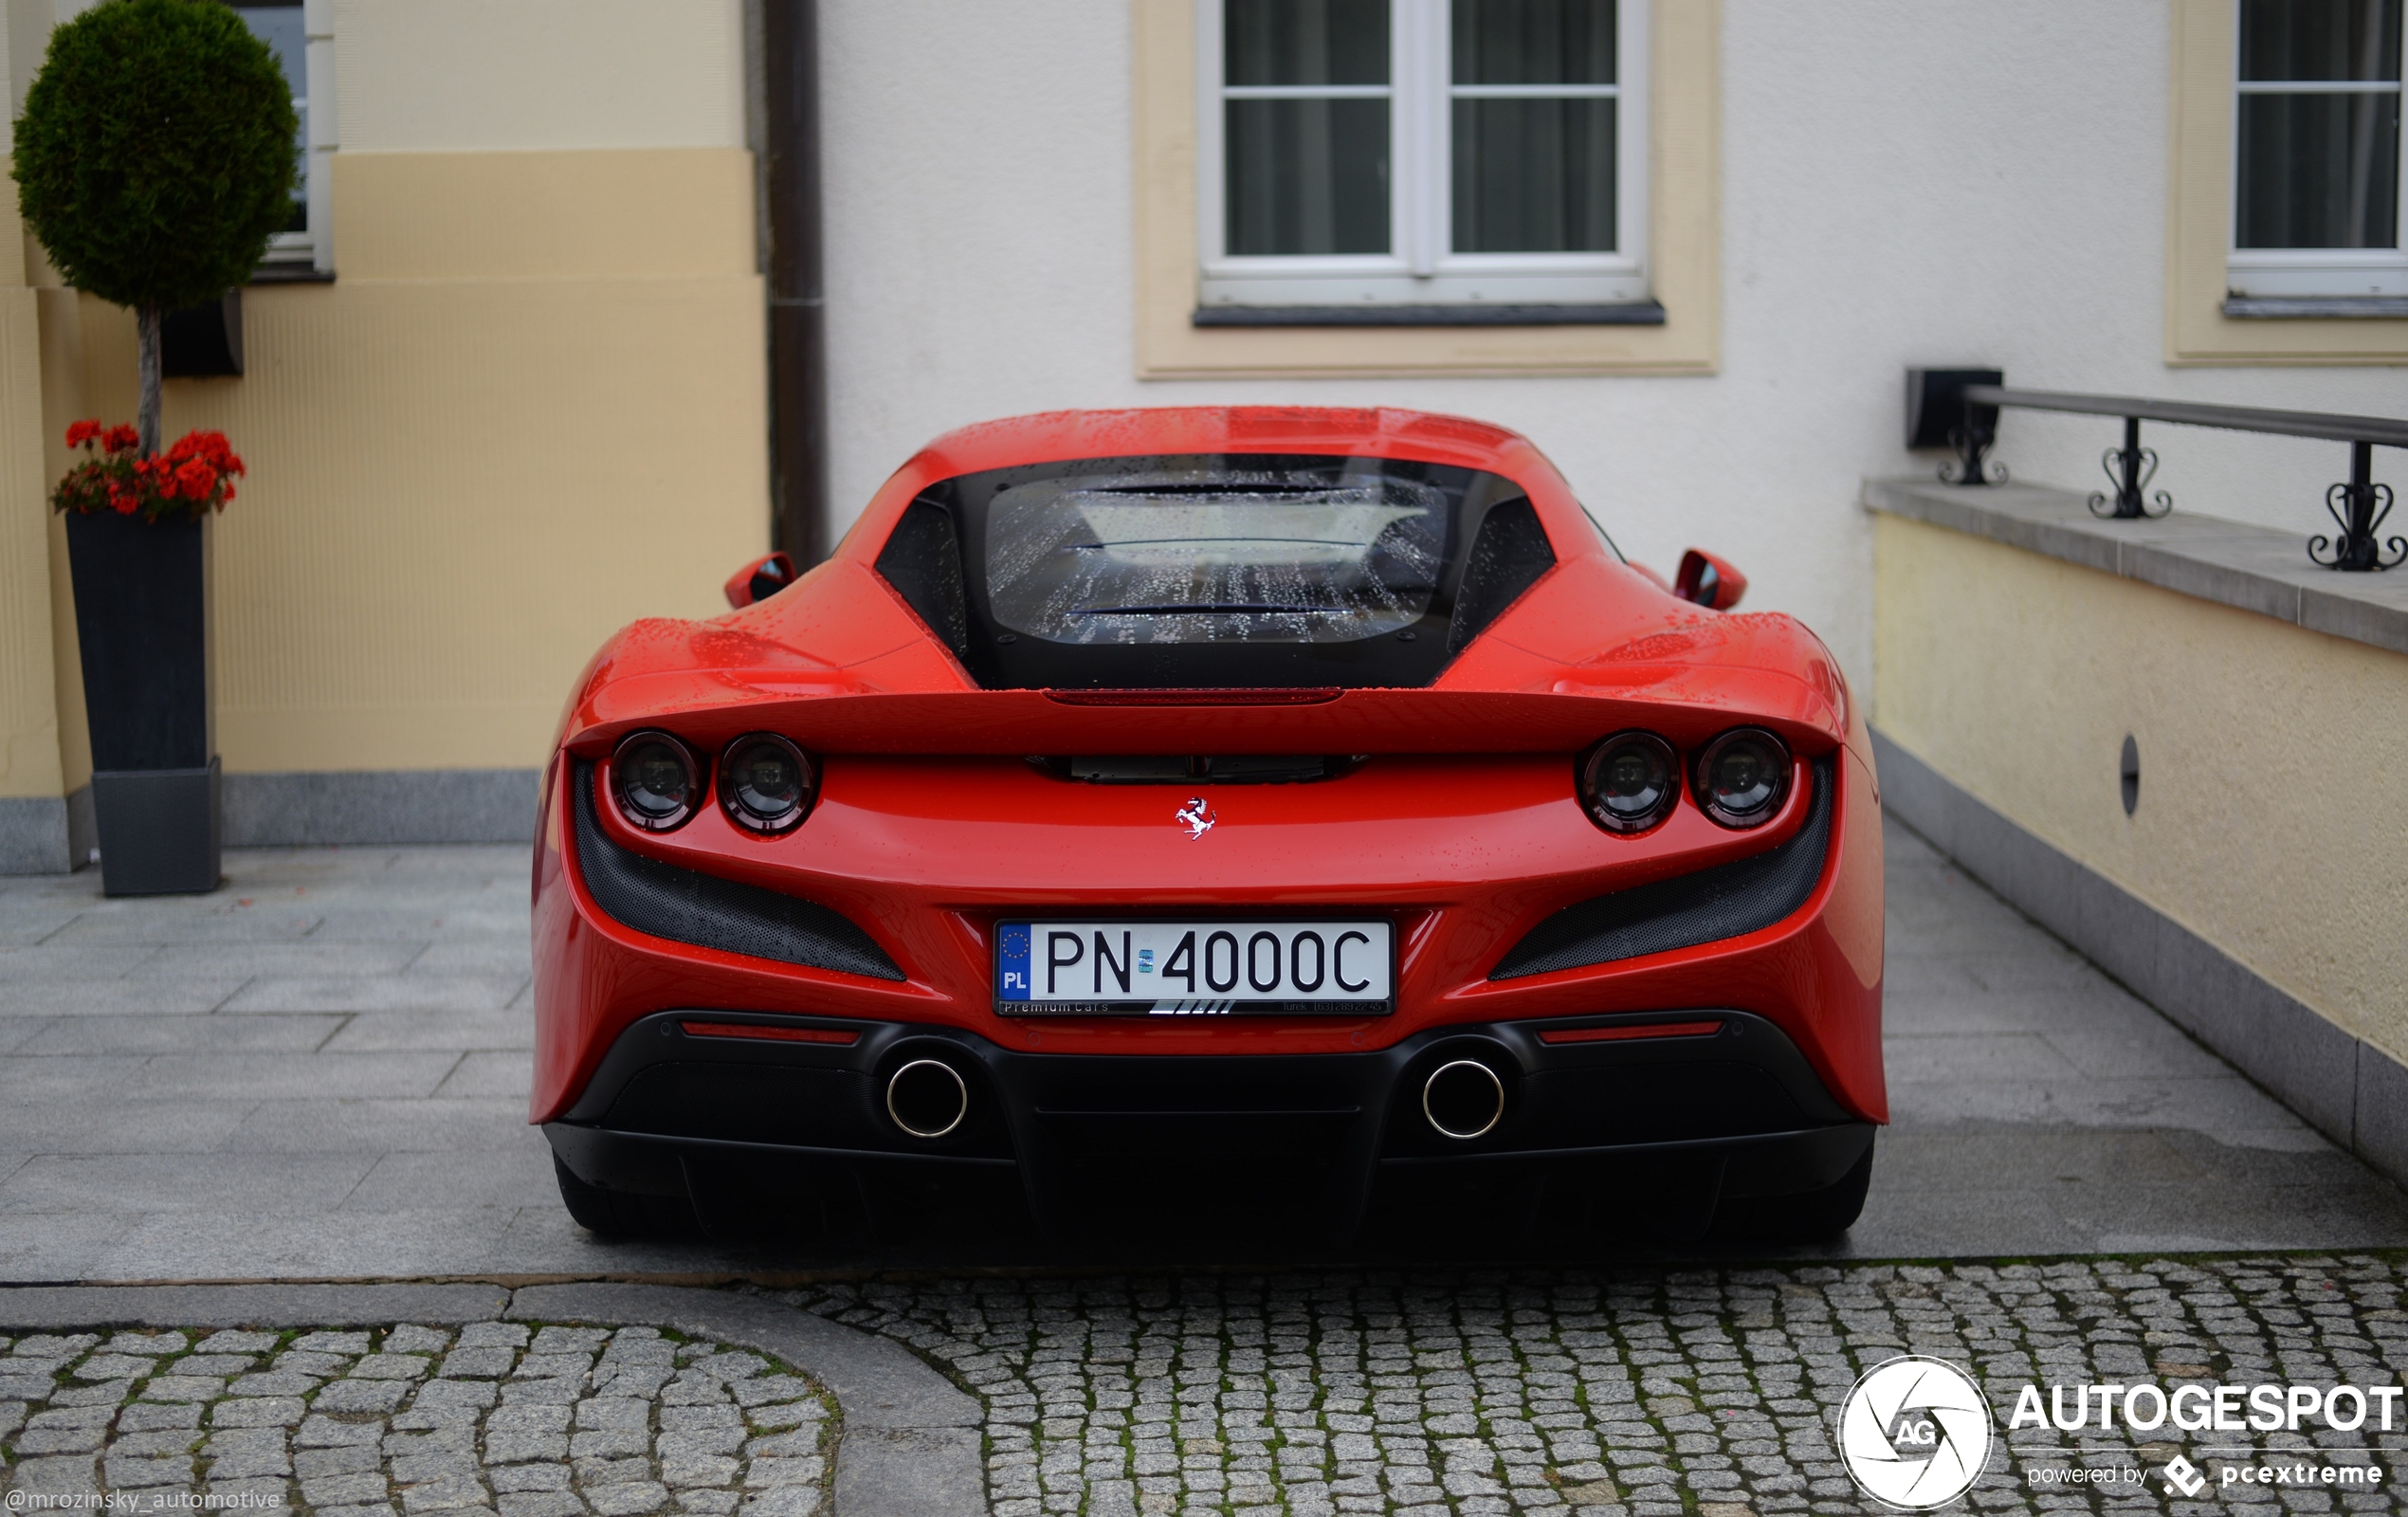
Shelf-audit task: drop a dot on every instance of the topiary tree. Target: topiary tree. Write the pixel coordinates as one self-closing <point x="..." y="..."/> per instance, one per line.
<point x="154" y="159"/>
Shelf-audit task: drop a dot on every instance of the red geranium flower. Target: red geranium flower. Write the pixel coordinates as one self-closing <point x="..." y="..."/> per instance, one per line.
<point x="210" y="447"/>
<point x="195" y="478"/>
<point x="192" y="477"/>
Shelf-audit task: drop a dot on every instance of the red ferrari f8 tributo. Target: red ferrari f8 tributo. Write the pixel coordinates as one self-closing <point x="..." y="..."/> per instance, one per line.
<point x="1303" y="818"/>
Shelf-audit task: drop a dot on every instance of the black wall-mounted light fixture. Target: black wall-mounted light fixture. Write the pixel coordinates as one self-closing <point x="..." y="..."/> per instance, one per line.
<point x="204" y="341"/>
<point x="1938" y="415"/>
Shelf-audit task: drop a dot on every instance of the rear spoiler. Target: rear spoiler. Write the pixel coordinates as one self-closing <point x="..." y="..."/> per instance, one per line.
<point x="1685" y="703"/>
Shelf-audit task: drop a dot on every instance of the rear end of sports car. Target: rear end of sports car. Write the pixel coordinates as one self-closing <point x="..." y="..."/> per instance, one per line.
<point x="1301" y="836"/>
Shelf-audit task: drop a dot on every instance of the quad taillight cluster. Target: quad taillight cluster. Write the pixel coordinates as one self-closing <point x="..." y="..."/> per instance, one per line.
<point x="1631" y="781"/>
<point x="765" y="784"/>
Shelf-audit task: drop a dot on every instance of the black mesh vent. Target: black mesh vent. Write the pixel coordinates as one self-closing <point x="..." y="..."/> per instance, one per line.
<point x="1707" y="906"/>
<point x="1508" y="557"/>
<point x="1660" y="1102"/>
<point x="685" y="906"/>
<point x="742" y="1104"/>
<point x="922" y="560"/>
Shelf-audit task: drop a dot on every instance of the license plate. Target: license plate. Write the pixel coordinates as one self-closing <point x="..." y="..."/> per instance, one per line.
<point x="1194" y="968"/>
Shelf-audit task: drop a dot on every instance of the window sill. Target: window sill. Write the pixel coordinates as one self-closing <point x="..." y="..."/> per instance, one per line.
<point x="291" y="274"/>
<point x="1633" y="313"/>
<point x="2290" y="307"/>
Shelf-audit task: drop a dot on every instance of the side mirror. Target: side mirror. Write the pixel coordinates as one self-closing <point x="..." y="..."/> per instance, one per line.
<point x="759" y="580"/>
<point x="1709" y="581"/>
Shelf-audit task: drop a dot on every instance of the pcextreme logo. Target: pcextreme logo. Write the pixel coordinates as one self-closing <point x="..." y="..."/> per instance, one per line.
<point x="1914" y="1433"/>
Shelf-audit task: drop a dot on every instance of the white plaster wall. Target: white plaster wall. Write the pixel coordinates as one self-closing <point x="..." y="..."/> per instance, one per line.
<point x="1903" y="181"/>
<point x="469" y="75"/>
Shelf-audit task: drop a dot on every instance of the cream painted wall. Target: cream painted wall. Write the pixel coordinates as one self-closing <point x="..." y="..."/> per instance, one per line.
<point x="470" y="75"/>
<point x="1903" y="181"/>
<point x="464" y="476"/>
<point x="2264" y="823"/>
<point x="530" y="409"/>
<point x="648" y="213"/>
<point x="62" y="340"/>
<point x="30" y="763"/>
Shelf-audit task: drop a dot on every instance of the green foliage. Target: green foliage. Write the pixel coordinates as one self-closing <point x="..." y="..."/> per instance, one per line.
<point x="157" y="152"/>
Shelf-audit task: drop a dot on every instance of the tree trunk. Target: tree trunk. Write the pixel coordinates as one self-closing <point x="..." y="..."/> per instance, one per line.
<point x="148" y="319"/>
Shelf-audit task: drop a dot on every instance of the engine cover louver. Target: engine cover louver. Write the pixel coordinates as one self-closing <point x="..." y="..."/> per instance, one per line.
<point x="1707" y="906"/>
<point x="685" y="906"/>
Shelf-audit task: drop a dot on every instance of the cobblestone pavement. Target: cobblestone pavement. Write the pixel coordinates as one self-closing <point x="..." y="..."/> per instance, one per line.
<point x="496" y="1417"/>
<point x="321" y="1071"/>
<point x="1705" y="1393"/>
<point x="1632" y="1392"/>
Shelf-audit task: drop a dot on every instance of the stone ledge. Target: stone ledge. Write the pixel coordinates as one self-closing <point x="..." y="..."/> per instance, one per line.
<point x="33" y="835"/>
<point x="2255" y="569"/>
<point x="313" y="809"/>
<point x="371" y="808"/>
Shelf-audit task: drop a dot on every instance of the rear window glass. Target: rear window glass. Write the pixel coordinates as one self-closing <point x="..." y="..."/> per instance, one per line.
<point x="1213" y="570"/>
<point x="1192" y="557"/>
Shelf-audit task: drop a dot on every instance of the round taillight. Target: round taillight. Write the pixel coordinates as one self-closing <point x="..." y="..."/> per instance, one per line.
<point x="1742" y="776"/>
<point x="1630" y="781"/>
<point x="655" y="781"/>
<point x="766" y="783"/>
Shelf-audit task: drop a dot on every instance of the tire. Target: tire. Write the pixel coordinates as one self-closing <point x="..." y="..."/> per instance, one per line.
<point x="1806" y="1216"/>
<point x="622" y="1213"/>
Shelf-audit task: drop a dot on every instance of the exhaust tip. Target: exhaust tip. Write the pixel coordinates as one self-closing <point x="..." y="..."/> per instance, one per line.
<point x="927" y="1098"/>
<point x="1463" y="1100"/>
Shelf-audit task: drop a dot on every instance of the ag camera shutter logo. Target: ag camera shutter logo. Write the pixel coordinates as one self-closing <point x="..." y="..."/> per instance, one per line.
<point x="1915" y="1432"/>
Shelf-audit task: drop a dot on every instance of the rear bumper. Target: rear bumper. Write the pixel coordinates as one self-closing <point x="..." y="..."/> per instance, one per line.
<point x="1510" y="859"/>
<point x="1627" y="1135"/>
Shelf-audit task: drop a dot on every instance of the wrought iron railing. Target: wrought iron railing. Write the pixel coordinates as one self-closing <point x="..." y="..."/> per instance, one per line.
<point x="1958" y="409"/>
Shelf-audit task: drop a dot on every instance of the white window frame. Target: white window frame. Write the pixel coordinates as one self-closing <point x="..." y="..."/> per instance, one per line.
<point x="291" y="252"/>
<point x="1421" y="270"/>
<point x="2311" y="272"/>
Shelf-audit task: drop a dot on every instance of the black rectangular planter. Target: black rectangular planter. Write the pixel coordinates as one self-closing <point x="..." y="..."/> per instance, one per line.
<point x="159" y="829"/>
<point x="143" y="623"/>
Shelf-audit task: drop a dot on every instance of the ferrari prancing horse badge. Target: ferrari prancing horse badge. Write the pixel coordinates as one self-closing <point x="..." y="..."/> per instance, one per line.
<point x="1196" y="817"/>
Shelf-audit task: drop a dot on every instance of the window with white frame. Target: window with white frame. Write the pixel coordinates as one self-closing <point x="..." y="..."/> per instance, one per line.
<point x="302" y="42"/>
<point x="1453" y="154"/>
<point x="2316" y="153"/>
